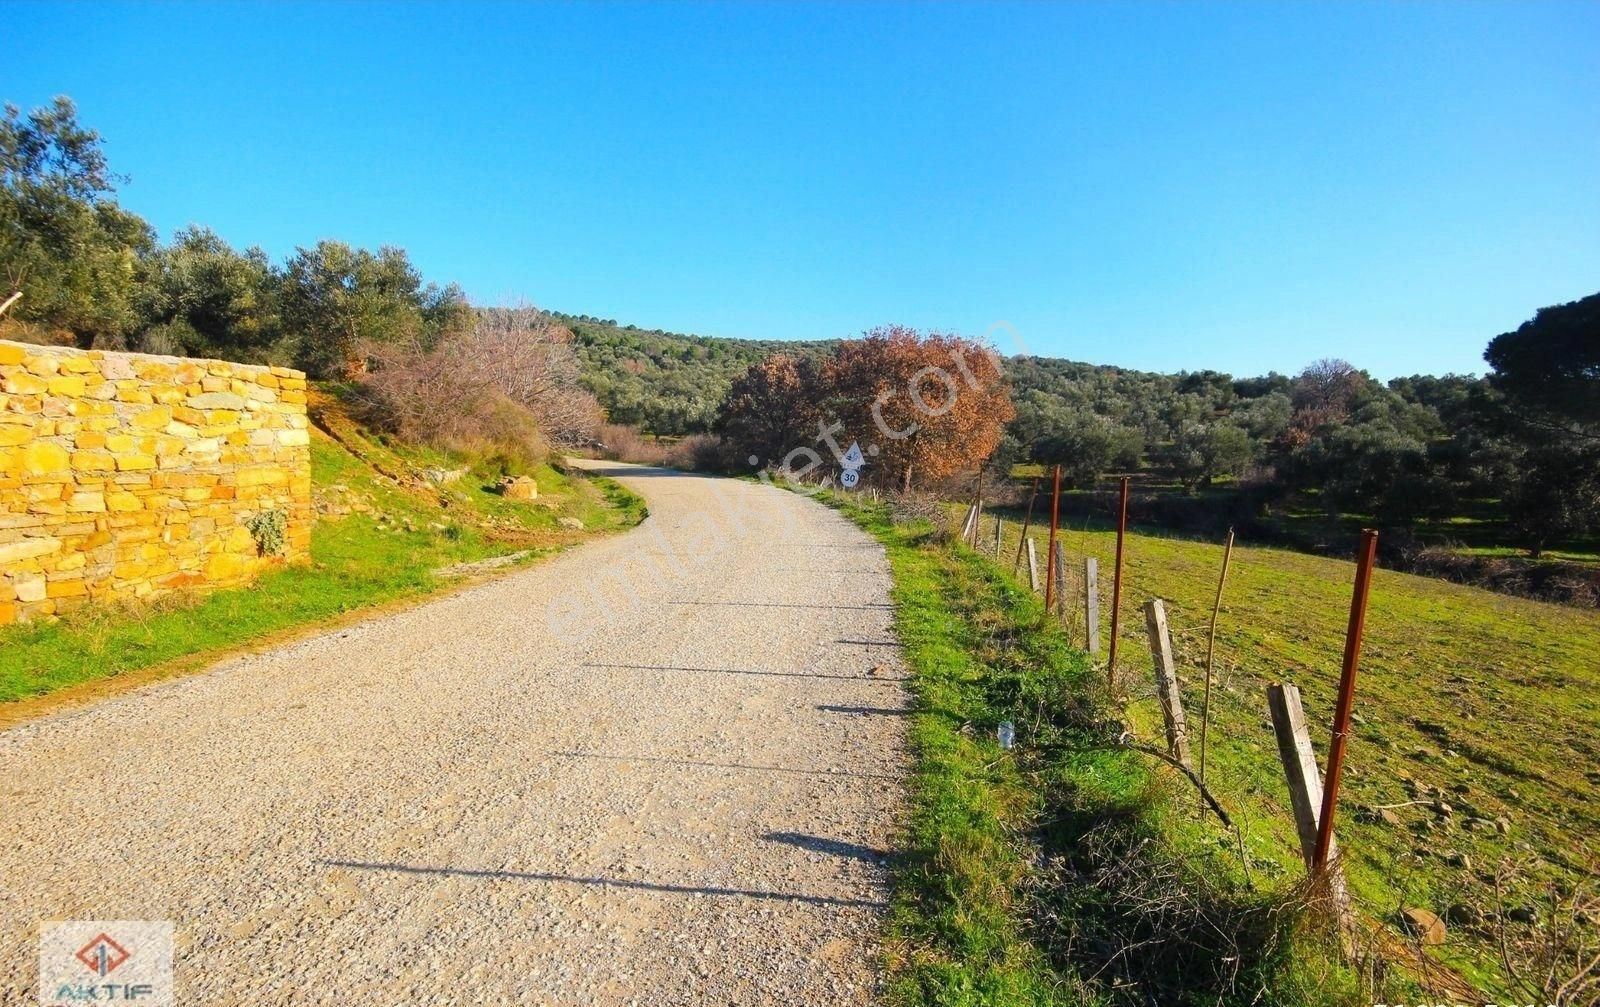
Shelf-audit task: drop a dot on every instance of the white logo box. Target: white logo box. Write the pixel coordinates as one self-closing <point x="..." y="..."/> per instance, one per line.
<point x="106" y="961"/>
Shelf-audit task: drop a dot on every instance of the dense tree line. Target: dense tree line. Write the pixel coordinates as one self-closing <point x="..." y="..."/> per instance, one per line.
<point x="664" y="382"/>
<point x="93" y="273"/>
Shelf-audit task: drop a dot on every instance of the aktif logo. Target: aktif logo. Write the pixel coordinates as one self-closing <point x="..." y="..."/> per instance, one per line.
<point x="102" y="954"/>
<point x="101" y="961"/>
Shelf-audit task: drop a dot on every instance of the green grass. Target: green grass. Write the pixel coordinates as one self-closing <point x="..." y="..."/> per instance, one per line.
<point x="1488" y="703"/>
<point x="357" y="561"/>
<point x="1004" y="891"/>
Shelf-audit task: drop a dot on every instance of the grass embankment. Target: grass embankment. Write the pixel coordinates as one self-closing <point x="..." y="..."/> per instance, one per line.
<point x="1476" y="744"/>
<point x="1062" y="871"/>
<point x="383" y="535"/>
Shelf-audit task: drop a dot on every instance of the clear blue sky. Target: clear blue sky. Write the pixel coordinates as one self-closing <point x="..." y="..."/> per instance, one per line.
<point x="1162" y="186"/>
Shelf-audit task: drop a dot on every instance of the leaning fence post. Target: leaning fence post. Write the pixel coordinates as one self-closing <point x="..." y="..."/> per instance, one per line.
<point x="1091" y="601"/>
<point x="1211" y="647"/>
<point x="970" y="520"/>
<point x="1347" y="693"/>
<point x="977" y="510"/>
<point x="1305" y="785"/>
<point x="1116" y="589"/>
<point x="1026" y="521"/>
<point x="1155" y="618"/>
<point x="1061" y="581"/>
<point x="1033" y="568"/>
<point x="1050" y="548"/>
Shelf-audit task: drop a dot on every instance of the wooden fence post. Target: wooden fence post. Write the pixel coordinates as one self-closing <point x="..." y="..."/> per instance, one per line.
<point x="997" y="536"/>
<point x="966" y="525"/>
<point x="977" y="511"/>
<point x="1155" y="618"/>
<point x="1091" y="601"/>
<point x="1305" y="788"/>
<point x="1033" y="568"/>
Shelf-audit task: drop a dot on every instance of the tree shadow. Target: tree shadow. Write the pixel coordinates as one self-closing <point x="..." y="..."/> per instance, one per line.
<point x="604" y="882"/>
<point x="697" y="763"/>
<point x="877" y="711"/>
<point x="833" y="847"/>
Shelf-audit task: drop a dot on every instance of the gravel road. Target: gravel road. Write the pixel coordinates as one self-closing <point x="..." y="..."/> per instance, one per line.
<point x="659" y="769"/>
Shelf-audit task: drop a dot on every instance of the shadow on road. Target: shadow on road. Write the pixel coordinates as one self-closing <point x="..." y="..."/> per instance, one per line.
<point x="822" y="844"/>
<point x="843" y="773"/>
<point x="875" y="711"/>
<point x="874" y="607"/>
<point x="746" y="671"/>
<point x="573" y="879"/>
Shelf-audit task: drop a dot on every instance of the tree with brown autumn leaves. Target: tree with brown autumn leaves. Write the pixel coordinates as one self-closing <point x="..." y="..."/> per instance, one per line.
<point x="930" y="404"/>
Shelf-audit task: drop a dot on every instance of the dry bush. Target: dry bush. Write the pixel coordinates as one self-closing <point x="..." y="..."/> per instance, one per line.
<point x="441" y="398"/>
<point x="532" y="362"/>
<point x="695" y="453"/>
<point x="913" y="506"/>
<point x="510" y="382"/>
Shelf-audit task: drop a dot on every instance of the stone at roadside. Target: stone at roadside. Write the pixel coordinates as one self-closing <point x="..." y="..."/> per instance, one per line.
<point x="570" y="523"/>
<point x="519" y="488"/>
<point x="444" y="477"/>
<point x="1427" y="928"/>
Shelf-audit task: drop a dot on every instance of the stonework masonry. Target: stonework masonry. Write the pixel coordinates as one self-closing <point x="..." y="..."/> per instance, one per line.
<point x="124" y="475"/>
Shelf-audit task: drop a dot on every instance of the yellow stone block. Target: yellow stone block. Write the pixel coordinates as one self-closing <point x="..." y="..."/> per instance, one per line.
<point x="28" y="548"/>
<point x="11" y="436"/>
<point x="66" y="588"/>
<point x="152" y="419"/>
<point x="119" y="442"/>
<point x="153" y="371"/>
<point x="225" y="566"/>
<point x="91" y="439"/>
<point x="86" y="503"/>
<point x="94" y="461"/>
<point x="78" y="365"/>
<point x="22" y="383"/>
<point x="70" y="385"/>
<point x="44" y="458"/>
<point x="133" y="462"/>
<point x="122" y="501"/>
<point x="11" y="353"/>
<point x="42" y="366"/>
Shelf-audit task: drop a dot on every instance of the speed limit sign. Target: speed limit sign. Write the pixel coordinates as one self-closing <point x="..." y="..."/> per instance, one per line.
<point x="848" y="478"/>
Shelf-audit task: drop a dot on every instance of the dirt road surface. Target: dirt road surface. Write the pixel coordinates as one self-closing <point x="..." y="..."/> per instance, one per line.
<point x="661" y="769"/>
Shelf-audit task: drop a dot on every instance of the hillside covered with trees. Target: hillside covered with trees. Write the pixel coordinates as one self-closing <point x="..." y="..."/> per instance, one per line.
<point x="1507" y="461"/>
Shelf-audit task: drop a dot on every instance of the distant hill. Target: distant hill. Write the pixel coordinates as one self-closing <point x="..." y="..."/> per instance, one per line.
<point x="666" y="382"/>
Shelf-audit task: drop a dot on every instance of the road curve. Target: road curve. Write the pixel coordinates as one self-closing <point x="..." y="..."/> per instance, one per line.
<point x="660" y="769"/>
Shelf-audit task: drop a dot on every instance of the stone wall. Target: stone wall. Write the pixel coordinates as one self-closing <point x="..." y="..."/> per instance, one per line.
<point x="124" y="475"/>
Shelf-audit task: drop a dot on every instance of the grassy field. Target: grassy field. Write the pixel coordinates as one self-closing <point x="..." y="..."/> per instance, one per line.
<point x="383" y="536"/>
<point x="1064" y="871"/>
<point x="1473" y="767"/>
